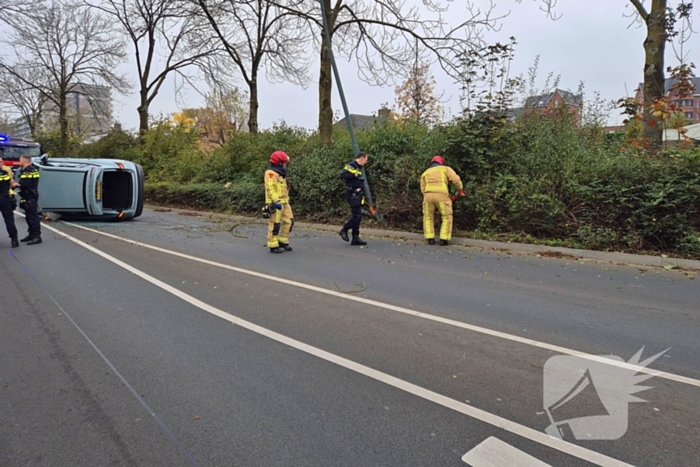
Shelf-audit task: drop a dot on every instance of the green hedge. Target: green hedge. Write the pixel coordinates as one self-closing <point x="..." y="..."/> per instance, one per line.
<point x="540" y="178"/>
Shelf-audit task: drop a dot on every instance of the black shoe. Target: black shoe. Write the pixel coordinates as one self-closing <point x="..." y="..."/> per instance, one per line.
<point x="444" y="243"/>
<point x="15" y="242"/>
<point x="431" y="241"/>
<point x="276" y="250"/>
<point x="285" y="246"/>
<point x="27" y="238"/>
<point x="356" y="240"/>
<point x="344" y="235"/>
<point x="34" y="241"/>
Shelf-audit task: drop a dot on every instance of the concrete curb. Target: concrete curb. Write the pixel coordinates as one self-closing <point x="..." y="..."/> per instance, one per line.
<point x="625" y="258"/>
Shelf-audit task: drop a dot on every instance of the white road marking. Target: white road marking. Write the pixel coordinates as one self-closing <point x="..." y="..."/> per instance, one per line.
<point x="478" y="414"/>
<point x="495" y="453"/>
<point x="398" y="309"/>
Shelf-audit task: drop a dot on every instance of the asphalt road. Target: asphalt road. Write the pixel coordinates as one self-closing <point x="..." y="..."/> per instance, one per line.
<point x="118" y="354"/>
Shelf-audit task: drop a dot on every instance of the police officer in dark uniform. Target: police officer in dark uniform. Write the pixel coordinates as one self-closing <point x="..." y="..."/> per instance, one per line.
<point x="29" y="192"/>
<point x="354" y="181"/>
<point x="8" y="204"/>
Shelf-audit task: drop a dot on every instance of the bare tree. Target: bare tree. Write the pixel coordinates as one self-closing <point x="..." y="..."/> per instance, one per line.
<point x="17" y="6"/>
<point x="158" y="29"/>
<point x="659" y="22"/>
<point x="257" y="34"/>
<point x="382" y="37"/>
<point x="65" y="48"/>
<point x="19" y="98"/>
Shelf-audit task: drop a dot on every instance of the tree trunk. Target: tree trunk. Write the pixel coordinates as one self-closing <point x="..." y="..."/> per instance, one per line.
<point x="325" y="87"/>
<point x="253" y="107"/>
<point x="654" y="50"/>
<point x="143" y="112"/>
<point x="63" y="121"/>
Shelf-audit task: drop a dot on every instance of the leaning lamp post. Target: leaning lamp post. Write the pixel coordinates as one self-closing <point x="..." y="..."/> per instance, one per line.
<point x="355" y="146"/>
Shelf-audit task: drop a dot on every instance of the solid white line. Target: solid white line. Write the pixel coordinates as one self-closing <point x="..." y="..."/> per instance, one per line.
<point x="495" y="453"/>
<point x="418" y="314"/>
<point x="473" y="412"/>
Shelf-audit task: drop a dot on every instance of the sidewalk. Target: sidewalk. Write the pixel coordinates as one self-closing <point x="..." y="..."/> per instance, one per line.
<point x="625" y="258"/>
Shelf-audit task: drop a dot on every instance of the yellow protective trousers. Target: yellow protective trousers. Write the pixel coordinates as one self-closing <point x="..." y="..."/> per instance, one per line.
<point x="279" y="226"/>
<point x="441" y="203"/>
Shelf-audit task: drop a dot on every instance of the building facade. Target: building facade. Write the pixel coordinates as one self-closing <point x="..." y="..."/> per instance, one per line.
<point x="89" y="109"/>
<point x="364" y="122"/>
<point x="550" y="102"/>
<point x="689" y="105"/>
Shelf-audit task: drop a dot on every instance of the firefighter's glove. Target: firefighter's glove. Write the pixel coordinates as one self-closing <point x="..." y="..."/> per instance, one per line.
<point x="273" y="207"/>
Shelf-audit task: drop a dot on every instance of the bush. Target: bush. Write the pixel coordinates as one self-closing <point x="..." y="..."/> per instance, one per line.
<point x="241" y="197"/>
<point x="541" y="178"/>
<point x="115" y="145"/>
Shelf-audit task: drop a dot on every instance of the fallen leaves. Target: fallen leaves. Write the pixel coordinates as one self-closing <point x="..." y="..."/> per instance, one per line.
<point x="557" y="254"/>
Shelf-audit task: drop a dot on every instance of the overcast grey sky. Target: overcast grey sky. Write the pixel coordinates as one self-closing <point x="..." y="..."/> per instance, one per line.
<point x="591" y="42"/>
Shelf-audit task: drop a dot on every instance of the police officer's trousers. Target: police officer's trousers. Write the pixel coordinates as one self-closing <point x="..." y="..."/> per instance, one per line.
<point x="355" y="199"/>
<point x="31" y="212"/>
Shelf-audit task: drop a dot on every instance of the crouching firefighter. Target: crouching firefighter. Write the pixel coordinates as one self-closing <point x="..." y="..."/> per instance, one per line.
<point x="354" y="195"/>
<point x="277" y="204"/>
<point x="436" y="198"/>
<point x="8" y="203"/>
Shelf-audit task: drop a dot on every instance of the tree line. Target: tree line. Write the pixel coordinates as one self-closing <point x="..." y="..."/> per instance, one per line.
<point x="57" y="46"/>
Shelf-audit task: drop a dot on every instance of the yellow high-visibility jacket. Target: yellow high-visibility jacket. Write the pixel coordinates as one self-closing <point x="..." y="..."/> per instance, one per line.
<point x="9" y="172"/>
<point x="435" y="180"/>
<point x="275" y="188"/>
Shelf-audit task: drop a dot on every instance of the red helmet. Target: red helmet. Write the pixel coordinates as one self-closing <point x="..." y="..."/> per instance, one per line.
<point x="438" y="159"/>
<point x="279" y="158"/>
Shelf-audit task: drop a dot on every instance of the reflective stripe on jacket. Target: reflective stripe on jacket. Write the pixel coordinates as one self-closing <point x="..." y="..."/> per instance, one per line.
<point x="11" y="175"/>
<point x="275" y="188"/>
<point x="435" y="179"/>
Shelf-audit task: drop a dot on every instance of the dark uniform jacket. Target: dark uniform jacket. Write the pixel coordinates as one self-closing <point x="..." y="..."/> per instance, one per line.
<point x="29" y="183"/>
<point x="352" y="176"/>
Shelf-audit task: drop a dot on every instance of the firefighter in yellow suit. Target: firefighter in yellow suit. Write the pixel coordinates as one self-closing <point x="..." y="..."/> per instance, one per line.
<point x="436" y="198"/>
<point x="277" y="200"/>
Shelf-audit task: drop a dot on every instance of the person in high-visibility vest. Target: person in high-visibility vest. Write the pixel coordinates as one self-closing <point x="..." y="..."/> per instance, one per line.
<point x="277" y="200"/>
<point x="7" y="203"/>
<point x="8" y="171"/>
<point x="436" y="198"/>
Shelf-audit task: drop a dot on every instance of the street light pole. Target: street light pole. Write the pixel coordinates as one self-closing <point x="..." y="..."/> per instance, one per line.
<point x="353" y="138"/>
